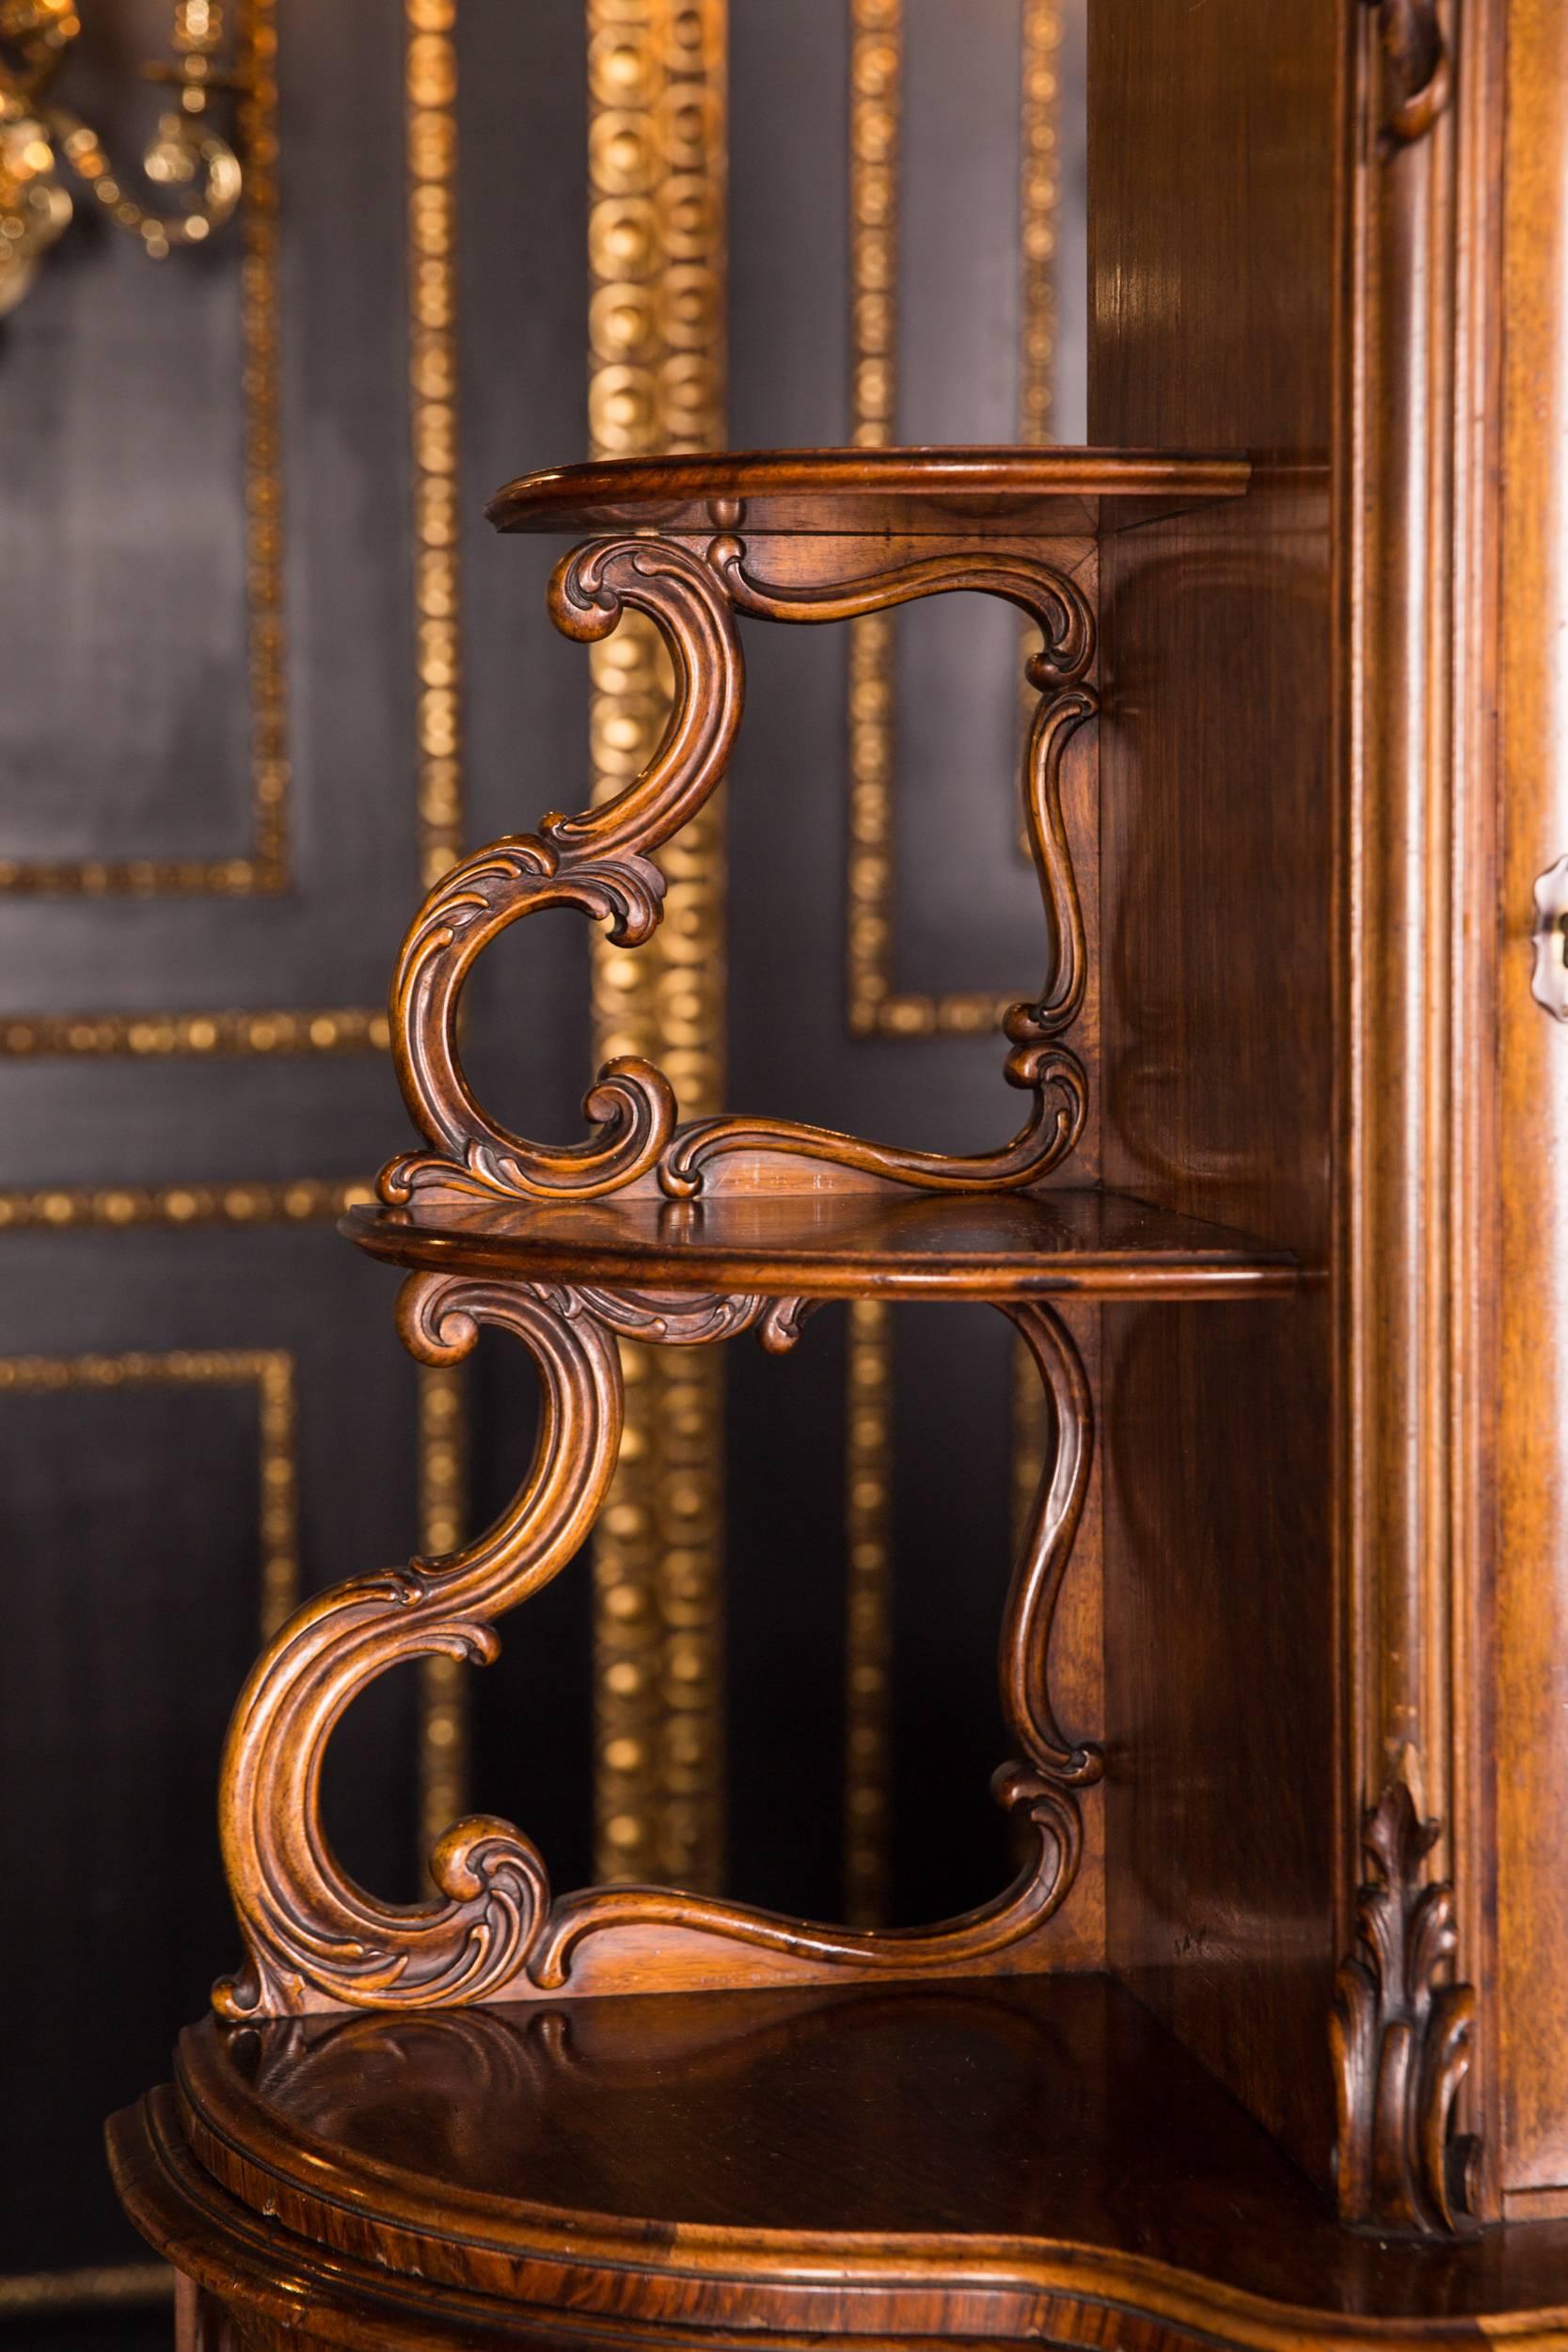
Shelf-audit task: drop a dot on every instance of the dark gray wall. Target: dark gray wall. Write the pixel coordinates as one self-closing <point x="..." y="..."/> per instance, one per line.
<point x="129" y="1517"/>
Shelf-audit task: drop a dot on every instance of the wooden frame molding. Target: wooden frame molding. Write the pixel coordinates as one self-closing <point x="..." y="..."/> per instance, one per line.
<point x="263" y="867"/>
<point x="1416" y="2087"/>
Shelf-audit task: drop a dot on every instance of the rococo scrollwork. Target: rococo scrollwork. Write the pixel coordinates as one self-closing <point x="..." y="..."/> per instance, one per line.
<point x="314" y="1939"/>
<point x="601" y="864"/>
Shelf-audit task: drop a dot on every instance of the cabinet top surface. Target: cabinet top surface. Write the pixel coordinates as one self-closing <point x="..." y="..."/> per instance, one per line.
<point x="934" y="493"/>
<point x="997" y="2140"/>
<point x="840" y="1245"/>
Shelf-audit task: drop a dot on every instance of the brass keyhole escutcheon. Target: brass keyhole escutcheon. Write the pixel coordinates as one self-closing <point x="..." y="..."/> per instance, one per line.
<point x="1549" y="983"/>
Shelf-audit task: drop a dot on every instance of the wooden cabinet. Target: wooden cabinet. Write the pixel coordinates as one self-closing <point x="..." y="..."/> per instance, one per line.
<point x="1283" y="1230"/>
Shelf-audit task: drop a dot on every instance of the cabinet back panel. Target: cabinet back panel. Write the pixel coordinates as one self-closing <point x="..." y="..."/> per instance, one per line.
<point x="1211" y="209"/>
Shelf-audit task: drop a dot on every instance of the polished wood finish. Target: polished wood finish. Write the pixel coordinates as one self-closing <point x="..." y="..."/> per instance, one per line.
<point x="1058" y="1243"/>
<point x="1211" y="177"/>
<point x="1418" y="882"/>
<point x="976" y="493"/>
<point x="600" y="862"/>
<point x="795" y="1214"/>
<point x="1034" y="2161"/>
<point x="1519" y="1847"/>
<point x="1333" y="1867"/>
<point x="316" y="1939"/>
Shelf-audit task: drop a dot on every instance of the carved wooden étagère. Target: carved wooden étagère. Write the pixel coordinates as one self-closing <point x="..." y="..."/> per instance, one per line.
<point x="1264" y="2046"/>
<point x="686" y="1233"/>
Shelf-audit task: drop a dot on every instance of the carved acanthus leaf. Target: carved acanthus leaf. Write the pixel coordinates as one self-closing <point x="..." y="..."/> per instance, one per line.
<point x="1400" y="2033"/>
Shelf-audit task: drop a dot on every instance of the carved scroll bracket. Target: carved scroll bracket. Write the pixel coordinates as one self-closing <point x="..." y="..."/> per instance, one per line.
<point x="1401" y="2037"/>
<point x="601" y="864"/>
<point x="316" y="1939"/>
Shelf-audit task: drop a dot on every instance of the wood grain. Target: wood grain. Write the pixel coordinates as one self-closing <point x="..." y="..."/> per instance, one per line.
<point x="1010" y="493"/>
<point x="834" y="1245"/>
<point x="1529" y="1470"/>
<point x="1037" y="2161"/>
<point x="1212" y="147"/>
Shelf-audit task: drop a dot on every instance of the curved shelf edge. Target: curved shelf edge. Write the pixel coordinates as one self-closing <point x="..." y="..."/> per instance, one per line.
<point x="1064" y="1243"/>
<point x="1184" y="2229"/>
<point x="918" y="492"/>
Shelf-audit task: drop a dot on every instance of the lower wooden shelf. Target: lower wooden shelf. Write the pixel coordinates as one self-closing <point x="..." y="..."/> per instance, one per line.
<point x="830" y="1245"/>
<point x="1026" y="2159"/>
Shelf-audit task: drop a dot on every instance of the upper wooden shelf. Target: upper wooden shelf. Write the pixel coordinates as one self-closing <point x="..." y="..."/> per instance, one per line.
<point x="841" y="1245"/>
<point x="915" y="493"/>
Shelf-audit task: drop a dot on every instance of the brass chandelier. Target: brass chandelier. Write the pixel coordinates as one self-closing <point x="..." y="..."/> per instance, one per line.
<point x="193" y="173"/>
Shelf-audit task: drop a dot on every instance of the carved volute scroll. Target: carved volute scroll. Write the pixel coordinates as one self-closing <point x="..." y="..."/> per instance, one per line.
<point x="596" y="863"/>
<point x="600" y="862"/>
<point x="316" y="1940"/>
<point x="1400" y="2034"/>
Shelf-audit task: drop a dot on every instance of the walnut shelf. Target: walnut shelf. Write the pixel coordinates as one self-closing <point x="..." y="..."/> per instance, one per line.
<point x="912" y="493"/>
<point x="1063" y="1243"/>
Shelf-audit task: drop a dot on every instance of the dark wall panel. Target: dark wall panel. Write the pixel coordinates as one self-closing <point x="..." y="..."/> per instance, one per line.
<point x="131" y="1512"/>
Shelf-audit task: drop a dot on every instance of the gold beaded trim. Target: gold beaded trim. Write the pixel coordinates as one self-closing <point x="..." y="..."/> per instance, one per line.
<point x="656" y="161"/>
<point x="301" y="1201"/>
<point x="877" y="1005"/>
<point x="272" y="1371"/>
<point x="430" y="77"/>
<point x="868" y="1627"/>
<point x="341" y="1029"/>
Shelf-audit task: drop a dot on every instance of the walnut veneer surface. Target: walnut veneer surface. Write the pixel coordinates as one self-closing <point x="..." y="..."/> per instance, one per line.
<point x="1036" y="2159"/>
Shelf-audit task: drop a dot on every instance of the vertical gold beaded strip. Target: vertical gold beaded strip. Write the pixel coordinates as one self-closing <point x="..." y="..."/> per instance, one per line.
<point x="442" y="1497"/>
<point x="432" y="130"/>
<point x="431" y="80"/>
<point x="263" y="447"/>
<point x="868" y="1467"/>
<point x="876" y="78"/>
<point x="280" y="1593"/>
<point x="656" y="155"/>
<point x="1039" y="201"/>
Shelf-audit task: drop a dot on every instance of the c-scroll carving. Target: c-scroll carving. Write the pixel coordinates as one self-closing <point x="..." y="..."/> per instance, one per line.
<point x="598" y="863"/>
<point x="315" y="1940"/>
<point x="1400" y="2033"/>
<point x="309" y="1929"/>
